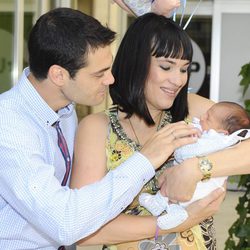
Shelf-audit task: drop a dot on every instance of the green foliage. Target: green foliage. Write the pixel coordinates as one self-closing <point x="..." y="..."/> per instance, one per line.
<point x="239" y="233"/>
<point x="247" y="105"/>
<point x="245" y="73"/>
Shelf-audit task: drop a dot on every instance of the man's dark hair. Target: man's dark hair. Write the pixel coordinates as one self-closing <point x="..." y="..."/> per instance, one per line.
<point x="64" y="37"/>
<point x="149" y="35"/>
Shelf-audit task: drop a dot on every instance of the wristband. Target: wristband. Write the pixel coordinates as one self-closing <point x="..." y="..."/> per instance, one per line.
<point x="156" y="232"/>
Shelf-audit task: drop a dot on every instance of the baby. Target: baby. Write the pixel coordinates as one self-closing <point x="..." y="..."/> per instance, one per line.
<point x="223" y="125"/>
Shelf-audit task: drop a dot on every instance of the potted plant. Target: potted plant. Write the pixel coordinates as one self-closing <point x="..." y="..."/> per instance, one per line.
<point x="239" y="232"/>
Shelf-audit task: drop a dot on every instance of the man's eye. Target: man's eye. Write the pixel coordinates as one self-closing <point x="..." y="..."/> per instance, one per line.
<point x="99" y="75"/>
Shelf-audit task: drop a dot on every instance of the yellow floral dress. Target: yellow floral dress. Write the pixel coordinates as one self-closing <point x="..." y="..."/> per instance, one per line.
<point x="118" y="148"/>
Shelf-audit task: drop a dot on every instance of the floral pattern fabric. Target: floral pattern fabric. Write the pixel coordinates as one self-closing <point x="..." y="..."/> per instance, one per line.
<point x="118" y="148"/>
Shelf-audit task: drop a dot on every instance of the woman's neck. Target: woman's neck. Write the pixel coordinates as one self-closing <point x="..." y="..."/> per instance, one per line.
<point x="137" y="129"/>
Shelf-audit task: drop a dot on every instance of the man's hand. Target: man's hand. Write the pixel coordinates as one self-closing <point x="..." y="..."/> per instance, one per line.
<point x="179" y="182"/>
<point x="163" y="143"/>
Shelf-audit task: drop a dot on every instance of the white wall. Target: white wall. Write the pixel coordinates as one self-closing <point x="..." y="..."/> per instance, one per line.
<point x="235" y="51"/>
<point x="230" y="48"/>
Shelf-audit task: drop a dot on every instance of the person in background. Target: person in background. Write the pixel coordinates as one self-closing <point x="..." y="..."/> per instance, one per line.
<point x="140" y="7"/>
<point x="151" y="71"/>
<point x="69" y="62"/>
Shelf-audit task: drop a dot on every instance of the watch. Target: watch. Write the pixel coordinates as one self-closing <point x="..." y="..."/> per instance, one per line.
<point x="205" y="167"/>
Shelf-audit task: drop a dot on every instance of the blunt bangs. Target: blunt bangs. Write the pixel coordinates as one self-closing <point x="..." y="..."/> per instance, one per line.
<point x="174" y="43"/>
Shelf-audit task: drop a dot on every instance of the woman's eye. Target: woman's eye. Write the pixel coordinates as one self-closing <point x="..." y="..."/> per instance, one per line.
<point x="184" y="70"/>
<point x="165" y="68"/>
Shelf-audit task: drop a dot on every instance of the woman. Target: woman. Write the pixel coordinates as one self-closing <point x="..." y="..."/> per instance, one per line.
<point x="151" y="72"/>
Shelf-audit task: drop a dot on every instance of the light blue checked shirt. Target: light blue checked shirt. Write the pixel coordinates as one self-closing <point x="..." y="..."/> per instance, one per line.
<point x="36" y="212"/>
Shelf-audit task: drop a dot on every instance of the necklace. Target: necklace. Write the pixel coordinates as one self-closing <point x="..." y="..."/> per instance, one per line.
<point x="133" y="129"/>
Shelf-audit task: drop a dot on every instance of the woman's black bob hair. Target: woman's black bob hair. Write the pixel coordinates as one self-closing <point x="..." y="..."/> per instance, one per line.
<point x="149" y="35"/>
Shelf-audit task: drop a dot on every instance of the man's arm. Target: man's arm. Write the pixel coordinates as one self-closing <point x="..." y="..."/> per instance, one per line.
<point x="127" y="228"/>
<point x="64" y="215"/>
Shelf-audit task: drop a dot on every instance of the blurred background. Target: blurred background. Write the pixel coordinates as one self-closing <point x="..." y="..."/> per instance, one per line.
<point x="220" y="32"/>
<point x="219" y="29"/>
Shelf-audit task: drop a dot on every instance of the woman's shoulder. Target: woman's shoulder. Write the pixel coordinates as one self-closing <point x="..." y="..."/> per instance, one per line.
<point x="192" y="97"/>
<point x="198" y="105"/>
<point x="94" y="122"/>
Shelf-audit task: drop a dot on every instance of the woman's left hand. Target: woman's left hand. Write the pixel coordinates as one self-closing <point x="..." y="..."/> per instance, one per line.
<point x="202" y="209"/>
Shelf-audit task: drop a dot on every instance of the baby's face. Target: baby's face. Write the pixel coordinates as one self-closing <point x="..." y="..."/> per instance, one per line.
<point x="212" y="119"/>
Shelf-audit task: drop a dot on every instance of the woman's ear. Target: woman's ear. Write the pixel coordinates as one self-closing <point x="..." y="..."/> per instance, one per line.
<point x="58" y="75"/>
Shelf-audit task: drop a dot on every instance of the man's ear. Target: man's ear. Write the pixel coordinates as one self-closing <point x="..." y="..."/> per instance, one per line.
<point x="58" y="75"/>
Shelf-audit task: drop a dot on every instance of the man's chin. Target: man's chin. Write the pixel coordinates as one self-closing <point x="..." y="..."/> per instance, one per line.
<point x="97" y="102"/>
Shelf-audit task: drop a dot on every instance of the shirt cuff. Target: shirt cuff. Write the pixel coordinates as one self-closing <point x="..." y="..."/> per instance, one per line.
<point x="138" y="168"/>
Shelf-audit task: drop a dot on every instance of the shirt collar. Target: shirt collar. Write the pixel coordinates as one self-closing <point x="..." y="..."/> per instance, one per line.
<point x="37" y="104"/>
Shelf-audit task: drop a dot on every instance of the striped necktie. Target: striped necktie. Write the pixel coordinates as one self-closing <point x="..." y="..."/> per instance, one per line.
<point x="62" y="144"/>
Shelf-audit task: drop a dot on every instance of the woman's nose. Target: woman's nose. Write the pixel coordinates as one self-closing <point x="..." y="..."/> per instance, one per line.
<point x="177" y="78"/>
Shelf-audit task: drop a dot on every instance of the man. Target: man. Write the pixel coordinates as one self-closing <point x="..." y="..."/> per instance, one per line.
<point x="70" y="60"/>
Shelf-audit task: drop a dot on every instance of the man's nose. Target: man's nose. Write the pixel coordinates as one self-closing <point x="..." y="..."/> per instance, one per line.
<point x="109" y="79"/>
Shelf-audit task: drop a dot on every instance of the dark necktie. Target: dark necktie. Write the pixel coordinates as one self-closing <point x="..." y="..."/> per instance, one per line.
<point x="62" y="144"/>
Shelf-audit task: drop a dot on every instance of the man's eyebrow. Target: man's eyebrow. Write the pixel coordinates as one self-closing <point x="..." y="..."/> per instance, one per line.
<point x="100" y="71"/>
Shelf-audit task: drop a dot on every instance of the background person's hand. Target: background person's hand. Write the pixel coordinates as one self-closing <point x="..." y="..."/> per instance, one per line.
<point x="123" y="6"/>
<point x="160" y="7"/>
<point x="165" y="7"/>
<point x="163" y="143"/>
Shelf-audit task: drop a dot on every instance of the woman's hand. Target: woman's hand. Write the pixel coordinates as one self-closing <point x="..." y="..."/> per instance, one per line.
<point x="163" y="143"/>
<point x="179" y="182"/>
<point x="202" y="209"/>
